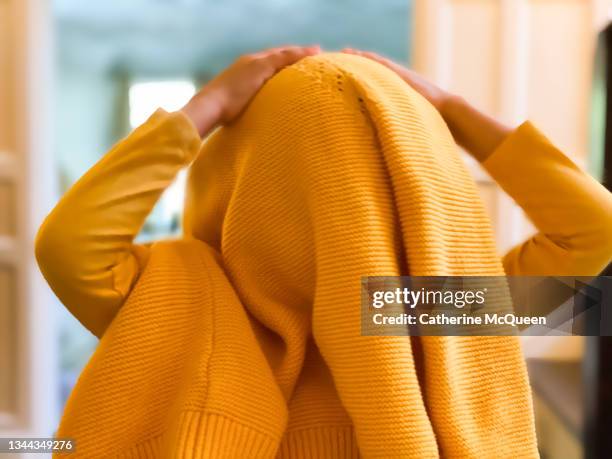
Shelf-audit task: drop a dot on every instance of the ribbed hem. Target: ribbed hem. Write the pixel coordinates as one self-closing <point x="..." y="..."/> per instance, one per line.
<point x="319" y="443"/>
<point x="210" y="436"/>
<point x="149" y="449"/>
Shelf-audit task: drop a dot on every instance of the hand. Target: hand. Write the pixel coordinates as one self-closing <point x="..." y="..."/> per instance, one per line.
<point x="223" y="98"/>
<point x="475" y="131"/>
<point x="436" y="96"/>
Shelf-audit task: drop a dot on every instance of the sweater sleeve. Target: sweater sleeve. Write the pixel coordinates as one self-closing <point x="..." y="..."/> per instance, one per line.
<point x="570" y="209"/>
<point x="85" y="248"/>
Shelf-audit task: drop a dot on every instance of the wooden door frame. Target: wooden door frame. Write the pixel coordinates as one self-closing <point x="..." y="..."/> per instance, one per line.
<point x="30" y="169"/>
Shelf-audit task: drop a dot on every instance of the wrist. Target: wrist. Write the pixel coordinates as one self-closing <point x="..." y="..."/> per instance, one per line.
<point x="450" y="106"/>
<point x="204" y="110"/>
<point x="478" y="133"/>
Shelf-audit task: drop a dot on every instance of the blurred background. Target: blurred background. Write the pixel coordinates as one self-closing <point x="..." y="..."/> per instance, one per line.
<point x="115" y="62"/>
<point x="77" y="76"/>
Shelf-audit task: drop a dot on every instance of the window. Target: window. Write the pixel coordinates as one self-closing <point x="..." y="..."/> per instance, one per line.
<point x="144" y="99"/>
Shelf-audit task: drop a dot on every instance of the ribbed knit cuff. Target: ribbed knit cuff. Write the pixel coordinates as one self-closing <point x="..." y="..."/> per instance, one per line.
<point x="183" y="129"/>
<point x="521" y="154"/>
<point x="216" y="436"/>
<point x="337" y="442"/>
<point x="208" y="435"/>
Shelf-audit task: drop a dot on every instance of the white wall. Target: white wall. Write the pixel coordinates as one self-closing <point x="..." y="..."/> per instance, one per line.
<point x="517" y="60"/>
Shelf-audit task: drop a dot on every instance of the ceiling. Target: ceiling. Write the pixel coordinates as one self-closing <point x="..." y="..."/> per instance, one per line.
<point x="163" y="37"/>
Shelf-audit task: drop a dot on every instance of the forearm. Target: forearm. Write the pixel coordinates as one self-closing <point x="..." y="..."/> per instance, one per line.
<point x="570" y="209"/>
<point x="572" y="212"/>
<point x="476" y="132"/>
<point x="85" y="246"/>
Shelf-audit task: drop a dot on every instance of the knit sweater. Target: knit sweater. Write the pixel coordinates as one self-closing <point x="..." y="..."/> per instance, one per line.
<point x="242" y="339"/>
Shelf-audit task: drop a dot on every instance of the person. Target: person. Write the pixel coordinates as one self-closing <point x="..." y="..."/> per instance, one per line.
<point x="281" y="254"/>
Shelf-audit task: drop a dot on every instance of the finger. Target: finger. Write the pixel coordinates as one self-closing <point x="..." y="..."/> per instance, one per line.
<point x="291" y="55"/>
<point x="284" y="48"/>
<point x="262" y="54"/>
<point x="377" y="58"/>
<point x="384" y="61"/>
<point x="265" y="67"/>
<point x="357" y="52"/>
<point x="354" y="52"/>
<point x="369" y="55"/>
<point x="268" y="51"/>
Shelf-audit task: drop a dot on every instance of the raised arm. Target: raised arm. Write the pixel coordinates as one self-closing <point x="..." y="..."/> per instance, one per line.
<point x="571" y="210"/>
<point x="85" y="246"/>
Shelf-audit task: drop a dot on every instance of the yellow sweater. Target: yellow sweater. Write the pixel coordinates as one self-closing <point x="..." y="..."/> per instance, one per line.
<point x="242" y="339"/>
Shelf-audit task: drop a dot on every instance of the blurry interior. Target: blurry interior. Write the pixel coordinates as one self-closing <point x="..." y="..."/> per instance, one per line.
<point x="116" y="63"/>
<point x="78" y="76"/>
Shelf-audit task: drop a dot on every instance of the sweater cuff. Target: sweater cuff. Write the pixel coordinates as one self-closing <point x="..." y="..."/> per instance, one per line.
<point x="521" y="152"/>
<point x="183" y="128"/>
<point x="516" y="143"/>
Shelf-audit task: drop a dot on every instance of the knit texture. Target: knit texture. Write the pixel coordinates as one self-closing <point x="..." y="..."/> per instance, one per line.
<point x="243" y="339"/>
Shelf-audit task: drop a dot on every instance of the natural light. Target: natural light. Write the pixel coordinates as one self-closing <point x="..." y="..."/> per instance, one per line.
<point x="145" y="98"/>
